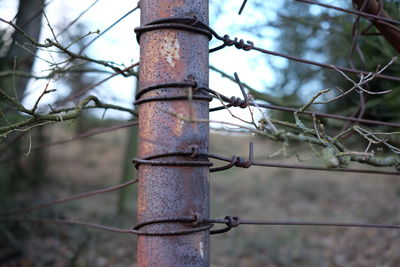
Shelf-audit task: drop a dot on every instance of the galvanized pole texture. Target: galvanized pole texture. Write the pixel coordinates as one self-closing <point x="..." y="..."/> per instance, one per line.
<point x="173" y="118"/>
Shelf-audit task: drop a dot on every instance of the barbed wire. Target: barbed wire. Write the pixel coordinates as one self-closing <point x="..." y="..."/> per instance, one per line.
<point x="334" y="153"/>
<point x="254" y="92"/>
<point x="198" y="225"/>
<point x="249" y="45"/>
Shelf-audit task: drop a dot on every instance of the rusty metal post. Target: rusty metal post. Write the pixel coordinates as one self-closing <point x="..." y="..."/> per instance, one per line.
<point x="172" y="55"/>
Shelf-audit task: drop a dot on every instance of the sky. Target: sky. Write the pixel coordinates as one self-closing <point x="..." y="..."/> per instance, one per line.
<point x="119" y="45"/>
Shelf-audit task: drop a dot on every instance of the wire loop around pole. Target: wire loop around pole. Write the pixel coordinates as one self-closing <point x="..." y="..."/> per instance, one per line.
<point x="150" y="160"/>
<point x="189" y="219"/>
<point x="197" y="223"/>
<point x="202" y="95"/>
<point x="189" y="24"/>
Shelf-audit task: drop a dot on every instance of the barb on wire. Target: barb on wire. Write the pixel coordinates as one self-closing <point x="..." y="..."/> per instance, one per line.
<point x="234" y="221"/>
<point x="277" y="105"/>
<point x="290" y="109"/>
<point x="243" y="163"/>
<point x="233" y="101"/>
<point x="235" y="161"/>
<point x="331" y="147"/>
<point x="256" y="94"/>
<point x="242" y="7"/>
<point x="197" y="224"/>
<point x="194" y="25"/>
<point x="249" y="45"/>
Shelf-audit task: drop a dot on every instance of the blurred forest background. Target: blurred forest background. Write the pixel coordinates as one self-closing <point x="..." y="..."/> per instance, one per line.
<point x="36" y="167"/>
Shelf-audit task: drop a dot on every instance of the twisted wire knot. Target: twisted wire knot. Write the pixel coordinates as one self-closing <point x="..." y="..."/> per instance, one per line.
<point x="239" y="44"/>
<point x="233" y="221"/>
<point x="241" y="162"/>
<point x="238" y="102"/>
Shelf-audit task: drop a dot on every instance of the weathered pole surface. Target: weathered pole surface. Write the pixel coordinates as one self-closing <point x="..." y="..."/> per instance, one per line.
<point x="389" y="31"/>
<point x="166" y="56"/>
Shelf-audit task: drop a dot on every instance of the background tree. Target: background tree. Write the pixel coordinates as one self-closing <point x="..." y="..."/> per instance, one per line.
<point x="326" y="35"/>
<point x="16" y="63"/>
<point x="300" y="30"/>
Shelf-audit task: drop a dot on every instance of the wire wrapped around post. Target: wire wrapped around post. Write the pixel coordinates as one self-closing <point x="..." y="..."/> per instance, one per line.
<point x="172" y="181"/>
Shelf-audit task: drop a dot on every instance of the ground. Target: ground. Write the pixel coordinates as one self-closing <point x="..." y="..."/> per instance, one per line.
<point x="255" y="193"/>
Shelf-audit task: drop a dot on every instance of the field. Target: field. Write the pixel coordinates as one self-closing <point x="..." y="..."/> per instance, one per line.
<point x="255" y="193"/>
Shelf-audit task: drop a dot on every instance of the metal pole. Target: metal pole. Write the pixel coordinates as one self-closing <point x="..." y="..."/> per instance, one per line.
<point x="172" y="55"/>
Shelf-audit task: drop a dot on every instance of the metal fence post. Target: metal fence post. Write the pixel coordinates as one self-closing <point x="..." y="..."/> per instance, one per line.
<point x="173" y="55"/>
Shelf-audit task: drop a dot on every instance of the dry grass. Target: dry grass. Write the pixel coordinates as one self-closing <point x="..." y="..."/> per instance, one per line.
<point x="255" y="193"/>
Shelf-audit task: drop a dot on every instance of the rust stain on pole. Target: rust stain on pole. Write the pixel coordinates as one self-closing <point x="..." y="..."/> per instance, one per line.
<point x="172" y="55"/>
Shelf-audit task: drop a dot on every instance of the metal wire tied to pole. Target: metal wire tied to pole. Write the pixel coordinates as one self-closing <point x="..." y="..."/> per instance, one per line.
<point x="237" y="102"/>
<point x="249" y="45"/>
<point x="236" y="161"/>
<point x="181" y="159"/>
<point x="190" y="24"/>
<point x="193" y="25"/>
<point x="172" y="182"/>
<point x="198" y="224"/>
<point x="191" y="85"/>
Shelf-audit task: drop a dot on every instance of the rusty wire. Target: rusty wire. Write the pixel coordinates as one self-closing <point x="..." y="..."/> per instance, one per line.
<point x="201" y="224"/>
<point x="354" y="12"/>
<point x="196" y="224"/>
<point x="68" y="199"/>
<point x="246" y="163"/>
<point x="233" y="221"/>
<point x="326" y="115"/>
<point x="236" y="161"/>
<point x="232" y="102"/>
<point x="202" y="96"/>
<point x="243" y="103"/>
<point x="184" y="23"/>
<point x="188" y="219"/>
<point x="194" y="25"/>
<point x="240" y="44"/>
